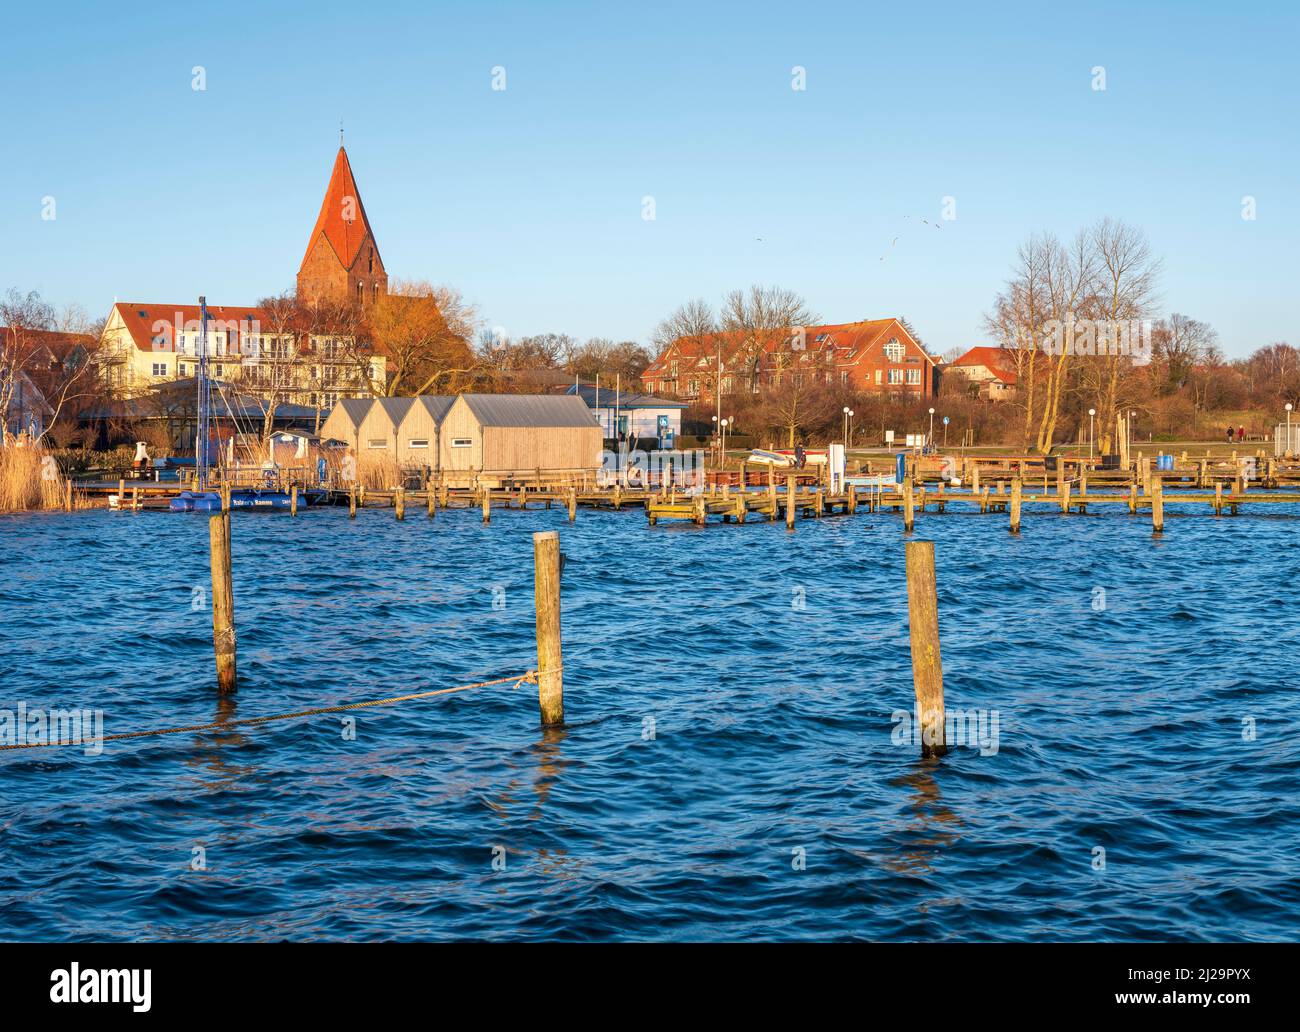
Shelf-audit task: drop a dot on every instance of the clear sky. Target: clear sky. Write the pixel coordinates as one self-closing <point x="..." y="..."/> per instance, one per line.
<point x="530" y="199"/>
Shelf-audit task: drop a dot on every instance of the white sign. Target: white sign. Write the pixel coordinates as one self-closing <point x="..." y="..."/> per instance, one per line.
<point x="889" y="437"/>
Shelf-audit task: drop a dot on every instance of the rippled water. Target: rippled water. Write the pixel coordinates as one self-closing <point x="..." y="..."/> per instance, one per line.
<point x="1120" y="729"/>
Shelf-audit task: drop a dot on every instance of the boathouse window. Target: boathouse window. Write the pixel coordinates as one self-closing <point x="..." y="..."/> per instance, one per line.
<point x="377" y="443"/>
<point x="461" y="442"/>
<point x="418" y="443"/>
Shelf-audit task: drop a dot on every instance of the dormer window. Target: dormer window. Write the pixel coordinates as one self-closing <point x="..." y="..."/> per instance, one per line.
<point x="894" y="350"/>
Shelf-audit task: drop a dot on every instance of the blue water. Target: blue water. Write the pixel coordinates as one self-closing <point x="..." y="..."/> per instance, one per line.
<point x="719" y="738"/>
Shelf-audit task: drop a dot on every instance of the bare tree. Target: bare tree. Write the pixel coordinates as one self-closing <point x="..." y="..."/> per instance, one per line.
<point x="762" y="320"/>
<point x="1127" y="279"/>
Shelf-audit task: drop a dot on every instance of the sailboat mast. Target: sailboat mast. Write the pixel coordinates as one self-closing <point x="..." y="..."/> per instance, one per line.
<point x="201" y="434"/>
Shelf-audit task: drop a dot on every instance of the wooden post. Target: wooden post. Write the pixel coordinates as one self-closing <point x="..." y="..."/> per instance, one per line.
<point x="573" y="503"/>
<point x="293" y="500"/>
<point x="1015" y="506"/>
<point x="771" y="487"/>
<point x="67" y="504"/>
<point x="361" y="496"/>
<point x="789" y="503"/>
<point x="818" y="503"/>
<point x="1218" y="498"/>
<point x="909" y="514"/>
<point x="741" y="509"/>
<point x="1157" y="505"/>
<point x="853" y="498"/>
<point x="431" y="502"/>
<point x="487" y="505"/>
<point x="399" y="503"/>
<point x="223" y="601"/>
<point x="135" y="499"/>
<point x="1064" y="491"/>
<point x="352" y="503"/>
<point x="927" y="666"/>
<point x="975" y="478"/>
<point x="121" y="493"/>
<point x="1133" y="498"/>
<point x="550" y="659"/>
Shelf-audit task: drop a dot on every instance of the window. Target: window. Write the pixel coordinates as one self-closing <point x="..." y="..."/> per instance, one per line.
<point x="185" y="370"/>
<point x="895" y="376"/>
<point x="461" y="442"/>
<point x="844" y="379"/>
<point x="914" y="376"/>
<point x="798" y="379"/>
<point x="894" y="351"/>
<point x="878" y="375"/>
<point x="377" y="443"/>
<point x="418" y="442"/>
<point x="160" y="369"/>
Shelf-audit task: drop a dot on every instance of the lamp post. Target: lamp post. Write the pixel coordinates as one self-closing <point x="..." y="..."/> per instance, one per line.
<point x="850" y="437"/>
<point x="723" y="441"/>
<point x="1132" y="415"/>
<point x="717" y="435"/>
<point x="1288" y="449"/>
<point x="1092" y="414"/>
<point x="930" y="439"/>
<point x="844" y="426"/>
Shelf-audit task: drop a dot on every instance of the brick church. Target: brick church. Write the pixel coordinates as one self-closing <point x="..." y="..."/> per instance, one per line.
<point x="152" y="343"/>
<point x="342" y="259"/>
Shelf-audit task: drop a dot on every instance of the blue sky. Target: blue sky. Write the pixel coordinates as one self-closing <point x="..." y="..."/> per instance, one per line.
<point x="529" y="200"/>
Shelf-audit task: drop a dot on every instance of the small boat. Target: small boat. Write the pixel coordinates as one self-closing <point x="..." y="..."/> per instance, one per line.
<point x="769" y="458"/>
<point x="240" y="498"/>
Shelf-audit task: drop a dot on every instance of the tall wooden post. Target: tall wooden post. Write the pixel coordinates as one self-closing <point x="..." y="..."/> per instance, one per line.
<point x="399" y="503"/>
<point x="909" y="513"/>
<point x="121" y="493"/>
<point x="550" y="660"/>
<point x="927" y="666"/>
<point x="293" y="500"/>
<point x="68" y="500"/>
<point x="487" y="506"/>
<point x="573" y="504"/>
<point x="431" y="501"/>
<point x="975" y="478"/>
<point x="223" y="601"/>
<point x="1015" y="505"/>
<point x="352" y="503"/>
<point x="1218" y="498"/>
<point x="789" y="503"/>
<point x="1157" y="504"/>
<point x="1064" y="486"/>
<point x="853" y="498"/>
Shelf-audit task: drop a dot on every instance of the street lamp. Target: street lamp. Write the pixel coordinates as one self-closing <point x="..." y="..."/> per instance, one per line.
<point x="850" y="440"/>
<point x="844" y="427"/>
<point x="717" y="437"/>
<point x="930" y="439"/>
<point x="1288" y="449"/>
<point x="723" y="441"/>
<point x="1092" y="414"/>
<point x="1132" y="415"/>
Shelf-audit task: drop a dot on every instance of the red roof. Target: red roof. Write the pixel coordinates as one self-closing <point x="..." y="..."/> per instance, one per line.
<point x="342" y="199"/>
<point x="995" y="360"/>
<point x="152" y="326"/>
<point x="847" y="342"/>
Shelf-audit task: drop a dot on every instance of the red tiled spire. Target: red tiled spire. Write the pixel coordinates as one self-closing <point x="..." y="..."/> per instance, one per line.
<point x="342" y="216"/>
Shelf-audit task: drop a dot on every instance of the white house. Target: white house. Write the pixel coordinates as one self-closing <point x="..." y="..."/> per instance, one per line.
<point x="647" y="418"/>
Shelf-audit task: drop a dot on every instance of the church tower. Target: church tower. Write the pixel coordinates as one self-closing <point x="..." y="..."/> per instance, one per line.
<point x="342" y="259"/>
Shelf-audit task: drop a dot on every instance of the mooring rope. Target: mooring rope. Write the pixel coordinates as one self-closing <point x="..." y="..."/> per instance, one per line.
<point x="529" y="677"/>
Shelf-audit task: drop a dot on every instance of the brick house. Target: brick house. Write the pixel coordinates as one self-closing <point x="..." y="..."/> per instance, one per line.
<point x="875" y="356"/>
<point x="990" y="370"/>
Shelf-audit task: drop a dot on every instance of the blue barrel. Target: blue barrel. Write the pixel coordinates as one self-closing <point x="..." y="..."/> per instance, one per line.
<point x="900" y="470"/>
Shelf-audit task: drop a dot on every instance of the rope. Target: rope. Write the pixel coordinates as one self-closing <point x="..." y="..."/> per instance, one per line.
<point x="527" y="678"/>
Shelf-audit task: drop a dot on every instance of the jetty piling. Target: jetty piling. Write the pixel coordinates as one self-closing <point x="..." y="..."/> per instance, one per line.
<point x="923" y="626"/>
<point x="550" y="658"/>
<point x="223" y="601"/>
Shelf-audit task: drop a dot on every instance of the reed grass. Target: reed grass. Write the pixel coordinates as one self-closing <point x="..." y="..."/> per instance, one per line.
<point x="30" y="479"/>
